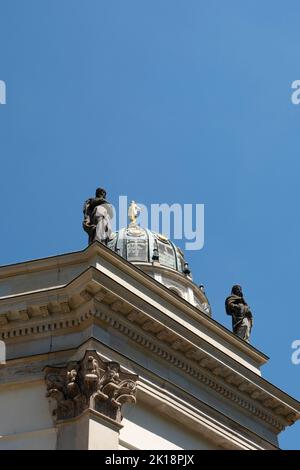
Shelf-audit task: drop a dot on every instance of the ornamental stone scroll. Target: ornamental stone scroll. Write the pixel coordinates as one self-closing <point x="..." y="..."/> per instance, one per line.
<point x="90" y="383"/>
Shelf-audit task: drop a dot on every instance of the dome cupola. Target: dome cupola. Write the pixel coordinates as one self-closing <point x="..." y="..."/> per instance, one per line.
<point x="159" y="257"/>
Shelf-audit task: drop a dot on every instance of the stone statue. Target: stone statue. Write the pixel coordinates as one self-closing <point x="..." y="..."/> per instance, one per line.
<point x="98" y="213"/>
<point x="133" y="212"/>
<point x="242" y="319"/>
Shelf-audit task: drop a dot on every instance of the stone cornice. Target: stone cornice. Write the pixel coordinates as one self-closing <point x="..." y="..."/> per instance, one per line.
<point x="212" y="374"/>
<point x="24" y="315"/>
<point x="91" y="297"/>
<point x="251" y="395"/>
<point x="96" y="254"/>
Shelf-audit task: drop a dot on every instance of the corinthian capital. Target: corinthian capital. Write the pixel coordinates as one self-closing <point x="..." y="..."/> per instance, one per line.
<point x="90" y="383"/>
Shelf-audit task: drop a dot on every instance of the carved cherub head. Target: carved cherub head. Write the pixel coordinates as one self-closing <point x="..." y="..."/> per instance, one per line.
<point x="72" y="374"/>
<point x="113" y="370"/>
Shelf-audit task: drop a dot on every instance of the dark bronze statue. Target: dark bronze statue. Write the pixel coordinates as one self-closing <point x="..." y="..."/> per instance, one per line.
<point x="242" y="319"/>
<point x="98" y="213"/>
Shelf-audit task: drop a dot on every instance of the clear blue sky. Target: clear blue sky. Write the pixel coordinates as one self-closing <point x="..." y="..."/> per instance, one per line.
<point x="163" y="101"/>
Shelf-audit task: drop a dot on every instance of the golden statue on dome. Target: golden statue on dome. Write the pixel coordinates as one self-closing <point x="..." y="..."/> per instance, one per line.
<point x="133" y="212"/>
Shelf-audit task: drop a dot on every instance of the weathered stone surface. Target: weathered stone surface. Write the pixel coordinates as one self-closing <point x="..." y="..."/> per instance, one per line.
<point x="90" y="383"/>
<point x="97" y="213"/>
<point x="242" y="319"/>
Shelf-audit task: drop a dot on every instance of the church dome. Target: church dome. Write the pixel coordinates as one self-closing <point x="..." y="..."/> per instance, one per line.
<point x="159" y="257"/>
<point x="139" y="245"/>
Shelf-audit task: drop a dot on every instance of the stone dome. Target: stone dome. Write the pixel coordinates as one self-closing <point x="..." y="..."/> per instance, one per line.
<point x="140" y="245"/>
<point x="159" y="257"/>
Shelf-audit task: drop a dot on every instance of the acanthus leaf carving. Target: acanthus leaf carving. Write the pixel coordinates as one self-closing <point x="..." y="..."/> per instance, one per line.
<point x="90" y="383"/>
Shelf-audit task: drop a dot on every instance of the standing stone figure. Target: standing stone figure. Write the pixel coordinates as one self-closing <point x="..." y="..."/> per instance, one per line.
<point x="133" y="212"/>
<point x="242" y="319"/>
<point x="98" y="213"/>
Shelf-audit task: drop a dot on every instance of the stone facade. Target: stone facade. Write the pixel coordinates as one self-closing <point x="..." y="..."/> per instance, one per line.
<point x="97" y="347"/>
